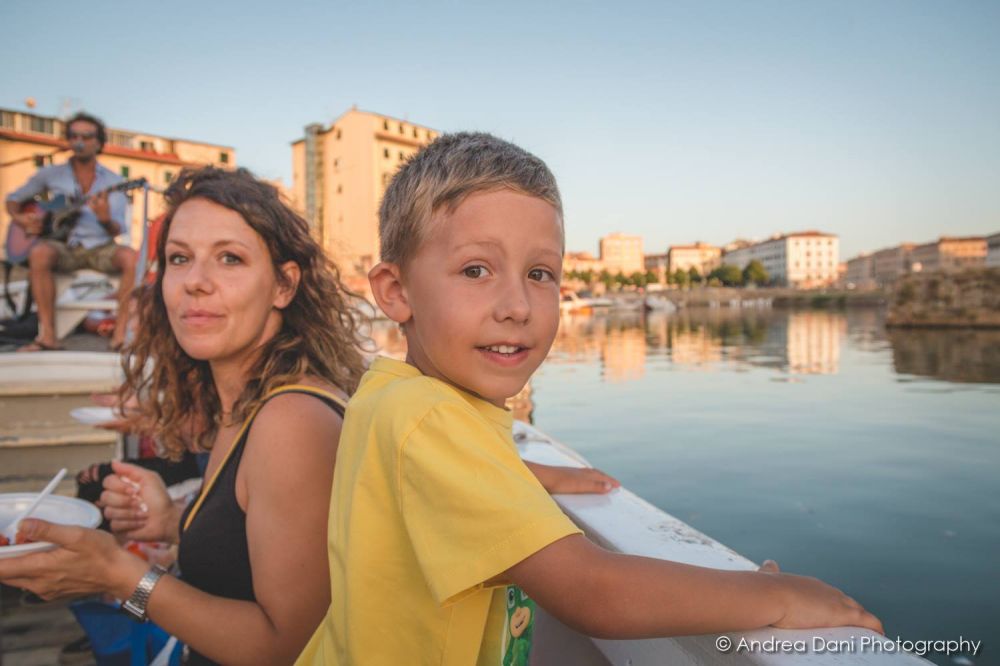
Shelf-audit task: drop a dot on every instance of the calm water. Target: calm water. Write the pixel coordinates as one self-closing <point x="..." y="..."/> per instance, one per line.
<point x="867" y="458"/>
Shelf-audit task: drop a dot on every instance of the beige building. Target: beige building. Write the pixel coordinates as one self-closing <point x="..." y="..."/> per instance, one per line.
<point x="622" y="253"/>
<point x="580" y="262"/>
<point x="803" y="260"/>
<point x="659" y="264"/>
<point x="701" y="256"/>
<point x="29" y="141"/>
<point x="993" y="250"/>
<point x="948" y="253"/>
<point x="339" y="173"/>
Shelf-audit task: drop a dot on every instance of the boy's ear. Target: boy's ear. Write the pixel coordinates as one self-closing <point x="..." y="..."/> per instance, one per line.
<point x="390" y="295"/>
<point x="292" y="274"/>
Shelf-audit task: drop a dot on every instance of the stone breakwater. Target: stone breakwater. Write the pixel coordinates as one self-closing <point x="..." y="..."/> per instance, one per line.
<point x="969" y="298"/>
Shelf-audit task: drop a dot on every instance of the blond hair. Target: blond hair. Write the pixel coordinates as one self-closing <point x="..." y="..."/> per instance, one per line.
<point x="447" y="171"/>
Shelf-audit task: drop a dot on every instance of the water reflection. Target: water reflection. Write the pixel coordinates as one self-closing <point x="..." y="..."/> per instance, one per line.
<point x="956" y="356"/>
<point x="808" y="342"/>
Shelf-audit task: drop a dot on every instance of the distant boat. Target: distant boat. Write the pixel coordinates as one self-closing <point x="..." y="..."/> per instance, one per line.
<point x="571" y="303"/>
<point x="659" y="304"/>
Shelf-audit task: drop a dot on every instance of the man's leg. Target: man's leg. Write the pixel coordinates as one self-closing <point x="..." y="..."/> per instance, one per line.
<point x="41" y="264"/>
<point x="123" y="260"/>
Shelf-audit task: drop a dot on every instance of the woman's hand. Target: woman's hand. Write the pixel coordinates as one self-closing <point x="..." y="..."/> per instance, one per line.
<point x="137" y="505"/>
<point x="573" y="480"/>
<point x="86" y="562"/>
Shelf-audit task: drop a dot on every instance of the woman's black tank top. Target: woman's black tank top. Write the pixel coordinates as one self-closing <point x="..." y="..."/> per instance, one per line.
<point x="213" y="554"/>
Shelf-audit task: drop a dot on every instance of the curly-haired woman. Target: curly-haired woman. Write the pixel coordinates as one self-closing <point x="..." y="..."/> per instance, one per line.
<point x="247" y="349"/>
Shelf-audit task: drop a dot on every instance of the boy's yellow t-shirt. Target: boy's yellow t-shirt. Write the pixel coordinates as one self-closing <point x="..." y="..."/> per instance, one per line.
<point x="430" y="501"/>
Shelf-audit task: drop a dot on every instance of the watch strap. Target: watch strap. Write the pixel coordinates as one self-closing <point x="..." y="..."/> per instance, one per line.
<point x="135" y="605"/>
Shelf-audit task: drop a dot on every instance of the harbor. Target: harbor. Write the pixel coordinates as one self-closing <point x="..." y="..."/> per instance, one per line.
<point x="751" y="427"/>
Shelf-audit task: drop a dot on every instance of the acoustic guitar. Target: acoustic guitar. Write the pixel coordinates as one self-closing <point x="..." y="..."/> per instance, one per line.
<point x="59" y="216"/>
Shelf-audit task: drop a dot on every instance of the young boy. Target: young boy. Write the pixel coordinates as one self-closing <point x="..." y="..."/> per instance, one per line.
<point x="437" y="530"/>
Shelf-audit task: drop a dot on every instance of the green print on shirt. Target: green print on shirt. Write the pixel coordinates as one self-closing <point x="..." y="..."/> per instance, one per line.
<point x="518" y="628"/>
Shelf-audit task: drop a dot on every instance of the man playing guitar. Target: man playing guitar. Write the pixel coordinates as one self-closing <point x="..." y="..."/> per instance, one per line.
<point x="91" y="244"/>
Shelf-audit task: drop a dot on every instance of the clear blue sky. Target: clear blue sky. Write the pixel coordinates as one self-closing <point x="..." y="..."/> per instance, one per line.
<point x="875" y="120"/>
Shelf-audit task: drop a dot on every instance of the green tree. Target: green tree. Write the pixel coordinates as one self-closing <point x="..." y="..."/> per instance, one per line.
<point x="620" y="279"/>
<point x="605" y="278"/>
<point x="587" y="276"/>
<point x="727" y="274"/>
<point x="638" y="279"/>
<point x="755" y="273"/>
<point x="694" y="275"/>
<point x="651" y="277"/>
<point x="681" y="277"/>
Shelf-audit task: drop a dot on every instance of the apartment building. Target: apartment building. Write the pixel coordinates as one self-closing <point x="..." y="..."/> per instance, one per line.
<point x="29" y="141"/>
<point x="949" y="253"/>
<point x="993" y="250"/>
<point x="622" y="253"/>
<point x="803" y="260"/>
<point x="701" y="256"/>
<point x="860" y="272"/>
<point x="659" y="264"/>
<point x="580" y="262"/>
<point x="339" y="174"/>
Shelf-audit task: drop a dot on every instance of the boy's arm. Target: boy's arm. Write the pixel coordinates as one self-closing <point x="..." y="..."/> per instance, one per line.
<point x="572" y="480"/>
<point x="609" y="595"/>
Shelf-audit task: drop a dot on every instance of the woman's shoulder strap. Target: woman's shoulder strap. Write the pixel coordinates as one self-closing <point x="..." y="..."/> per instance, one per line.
<point x="335" y="402"/>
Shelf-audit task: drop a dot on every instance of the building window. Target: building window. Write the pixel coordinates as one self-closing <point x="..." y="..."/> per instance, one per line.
<point x="42" y="125"/>
<point x="414" y="132"/>
<point x="168" y="176"/>
<point x="401" y="130"/>
<point x="224" y="157"/>
<point x="401" y="155"/>
<point x="385" y="152"/>
<point x="7" y="119"/>
<point x="120" y="139"/>
<point x="124" y="171"/>
<point x="340" y="189"/>
<point x="338" y="134"/>
<point x="147" y="147"/>
<point x="40" y="160"/>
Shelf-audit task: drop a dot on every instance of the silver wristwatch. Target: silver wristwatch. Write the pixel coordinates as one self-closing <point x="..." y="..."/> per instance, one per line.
<point x="135" y="606"/>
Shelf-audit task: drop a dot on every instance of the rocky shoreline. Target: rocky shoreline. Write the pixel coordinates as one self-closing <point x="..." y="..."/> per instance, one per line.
<point x="965" y="299"/>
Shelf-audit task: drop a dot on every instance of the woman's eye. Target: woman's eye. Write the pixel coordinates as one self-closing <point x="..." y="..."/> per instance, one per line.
<point x="176" y="259"/>
<point x="541" y="275"/>
<point x="231" y="259"/>
<point x="474" y="272"/>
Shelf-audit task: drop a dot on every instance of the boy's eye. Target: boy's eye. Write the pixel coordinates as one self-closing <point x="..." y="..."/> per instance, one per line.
<point x="475" y="272"/>
<point x="541" y="275"/>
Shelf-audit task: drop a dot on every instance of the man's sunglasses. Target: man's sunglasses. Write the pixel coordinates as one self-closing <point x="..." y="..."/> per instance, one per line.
<point x="84" y="136"/>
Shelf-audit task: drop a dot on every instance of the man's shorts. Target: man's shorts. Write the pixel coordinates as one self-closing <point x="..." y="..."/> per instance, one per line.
<point x="69" y="259"/>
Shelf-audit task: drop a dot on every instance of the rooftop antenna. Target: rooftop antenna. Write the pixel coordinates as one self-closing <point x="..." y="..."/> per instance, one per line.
<point x="67" y="105"/>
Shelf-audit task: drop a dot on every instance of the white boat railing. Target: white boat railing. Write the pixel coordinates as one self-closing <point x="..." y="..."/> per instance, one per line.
<point x="623" y="522"/>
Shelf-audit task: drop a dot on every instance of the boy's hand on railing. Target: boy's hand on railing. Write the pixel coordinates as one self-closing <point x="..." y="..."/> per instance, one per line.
<point x="573" y="480"/>
<point x="136" y="503"/>
<point x="811" y="603"/>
